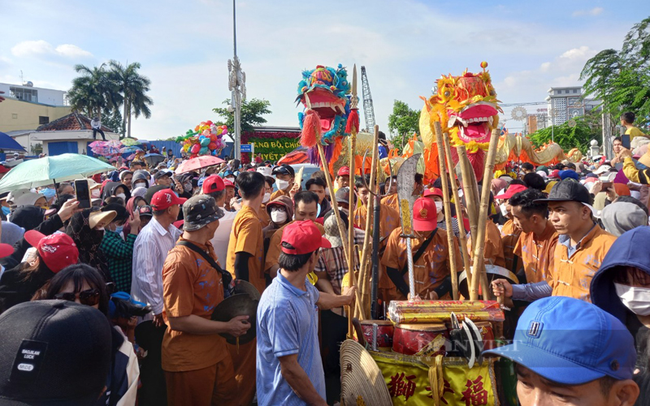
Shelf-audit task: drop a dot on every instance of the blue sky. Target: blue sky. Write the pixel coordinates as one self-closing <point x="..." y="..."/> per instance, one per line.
<point x="184" y="46"/>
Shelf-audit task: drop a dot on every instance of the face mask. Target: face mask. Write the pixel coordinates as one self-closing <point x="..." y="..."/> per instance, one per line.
<point x="266" y="198"/>
<point x="95" y="193"/>
<point x="230" y="178"/>
<point x="439" y="207"/>
<point x="504" y="209"/>
<point x="634" y="298"/>
<point x="100" y="229"/>
<point x="187" y="187"/>
<point x="279" y="216"/>
<point x="122" y="195"/>
<point x="119" y="229"/>
<point x="144" y="185"/>
<point x="6" y="210"/>
<point x="282" y="184"/>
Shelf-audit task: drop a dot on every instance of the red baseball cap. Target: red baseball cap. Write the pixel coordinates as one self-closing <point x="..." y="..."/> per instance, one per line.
<point x="57" y="250"/>
<point x="344" y="171"/>
<point x="555" y="173"/>
<point x="6" y="250"/>
<point x="425" y="215"/>
<point x="228" y="182"/>
<point x="511" y="191"/>
<point x="434" y="191"/>
<point x="213" y="183"/>
<point x="164" y="199"/>
<point x="302" y="237"/>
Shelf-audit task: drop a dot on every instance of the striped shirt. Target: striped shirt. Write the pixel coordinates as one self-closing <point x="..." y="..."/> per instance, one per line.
<point x="149" y="254"/>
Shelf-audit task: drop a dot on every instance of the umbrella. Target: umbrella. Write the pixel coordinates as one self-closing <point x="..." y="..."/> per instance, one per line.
<point x="154" y="159"/>
<point x="129" y="149"/>
<point x="129" y="142"/>
<point x="6" y="142"/>
<point x="199" y="162"/>
<point x="51" y="169"/>
<point x="297" y="156"/>
<point x="105" y="148"/>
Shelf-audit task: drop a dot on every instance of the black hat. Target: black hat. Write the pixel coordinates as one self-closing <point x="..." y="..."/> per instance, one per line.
<point x="568" y="190"/>
<point x="53" y="352"/>
<point x="283" y="169"/>
<point x="199" y="211"/>
<point x="161" y="173"/>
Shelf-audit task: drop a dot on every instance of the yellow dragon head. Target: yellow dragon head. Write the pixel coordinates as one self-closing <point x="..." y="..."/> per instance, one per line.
<point x="466" y="107"/>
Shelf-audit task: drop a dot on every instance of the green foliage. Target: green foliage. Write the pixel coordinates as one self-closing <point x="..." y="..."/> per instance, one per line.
<point x="566" y="136"/>
<point x="621" y="79"/>
<point x="252" y="112"/>
<point x="37" y="148"/>
<point x="102" y="91"/>
<point x="403" y="122"/>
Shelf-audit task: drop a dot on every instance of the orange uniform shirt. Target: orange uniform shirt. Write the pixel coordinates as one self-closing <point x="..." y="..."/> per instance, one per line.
<point x="493" y="250"/>
<point x="246" y="236"/>
<point x="191" y="287"/>
<point x="537" y="254"/>
<point x="264" y="216"/>
<point x="430" y="269"/>
<point x="278" y="193"/>
<point x="572" y="275"/>
<point x="509" y="237"/>
<point x="389" y="219"/>
<point x="392" y="201"/>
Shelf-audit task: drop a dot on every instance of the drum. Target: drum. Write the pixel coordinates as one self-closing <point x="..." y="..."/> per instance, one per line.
<point x="385" y="331"/>
<point x="420" y="339"/>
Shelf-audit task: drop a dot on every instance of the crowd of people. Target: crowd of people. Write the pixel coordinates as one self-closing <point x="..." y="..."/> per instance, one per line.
<point x="159" y="250"/>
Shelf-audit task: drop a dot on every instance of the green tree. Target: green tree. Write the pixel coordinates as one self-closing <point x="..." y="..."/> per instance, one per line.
<point x="133" y="88"/>
<point x="37" y="148"/>
<point x="252" y="112"/>
<point x="94" y="91"/>
<point x="621" y="79"/>
<point x="402" y="123"/>
<point x="113" y="120"/>
<point x="566" y="136"/>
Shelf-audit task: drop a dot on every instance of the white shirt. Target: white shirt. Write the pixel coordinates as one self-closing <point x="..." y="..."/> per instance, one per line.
<point x="149" y="253"/>
<point x="96" y="124"/>
<point x="222" y="236"/>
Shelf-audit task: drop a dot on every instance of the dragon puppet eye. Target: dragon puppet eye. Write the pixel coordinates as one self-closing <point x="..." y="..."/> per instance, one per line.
<point x="492" y="92"/>
<point x="447" y="93"/>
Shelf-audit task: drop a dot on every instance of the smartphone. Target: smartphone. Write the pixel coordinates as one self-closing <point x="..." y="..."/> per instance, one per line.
<point x="83" y="193"/>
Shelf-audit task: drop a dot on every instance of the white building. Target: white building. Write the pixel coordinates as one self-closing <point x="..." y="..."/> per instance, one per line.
<point x="29" y="93"/>
<point x="565" y="103"/>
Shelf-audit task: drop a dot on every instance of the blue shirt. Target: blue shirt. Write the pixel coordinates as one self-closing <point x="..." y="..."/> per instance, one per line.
<point x="287" y="323"/>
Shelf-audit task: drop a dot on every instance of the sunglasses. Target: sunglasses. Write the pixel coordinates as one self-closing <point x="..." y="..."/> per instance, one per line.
<point x="88" y="297"/>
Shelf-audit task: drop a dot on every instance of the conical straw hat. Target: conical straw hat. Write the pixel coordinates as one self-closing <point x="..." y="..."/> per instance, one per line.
<point x="362" y="383"/>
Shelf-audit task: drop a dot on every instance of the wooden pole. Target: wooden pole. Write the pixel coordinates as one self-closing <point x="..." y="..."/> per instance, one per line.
<point x="447" y="204"/>
<point x="467" y="262"/>
<point x="350" y="254"/>
<point x="469" y="187"/>
<point x="479" y="239"/>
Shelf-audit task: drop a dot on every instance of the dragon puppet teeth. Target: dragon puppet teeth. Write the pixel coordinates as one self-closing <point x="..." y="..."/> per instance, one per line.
<point x="491" y="120"/>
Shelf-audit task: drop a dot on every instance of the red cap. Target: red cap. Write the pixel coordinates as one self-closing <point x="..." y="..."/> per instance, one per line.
<point x="6" y="250"/>
<point x="434" y="191"/>
<point x="425" y="215"/>
<point x="304" y="237"/>
<point x="344" y="171"/>
<point x="179" y="224"/>
<point x="227" y="183"/>
<point x="57" y="250"/>
<point x="213" y="183"/>
<point x="554" y="174"/>
<point x="512" y="190"/>
<point x="164" y="199"/>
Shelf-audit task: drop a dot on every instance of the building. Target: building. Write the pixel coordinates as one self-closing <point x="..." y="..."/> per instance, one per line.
<point x="565" y="103"/>
<point x="26" y="107"/>
<point x="70" y="133"/>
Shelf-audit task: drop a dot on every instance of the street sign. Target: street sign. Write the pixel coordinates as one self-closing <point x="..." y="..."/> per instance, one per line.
<point x="248" y="148"/>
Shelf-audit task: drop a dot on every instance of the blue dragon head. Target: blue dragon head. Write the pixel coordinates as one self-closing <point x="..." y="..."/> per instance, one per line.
<point x="327" y="91"/>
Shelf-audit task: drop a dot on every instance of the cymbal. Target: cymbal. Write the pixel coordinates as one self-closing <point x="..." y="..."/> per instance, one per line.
<point x="240" y="304"/>
<point x="242" y="286"/>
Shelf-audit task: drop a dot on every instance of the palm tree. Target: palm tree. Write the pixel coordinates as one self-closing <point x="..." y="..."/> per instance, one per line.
<point x="133" y="88"/>
<point x="94" y="91"/>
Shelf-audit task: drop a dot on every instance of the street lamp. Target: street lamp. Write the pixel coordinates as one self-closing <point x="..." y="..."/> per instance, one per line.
<point x="237" y="85"/>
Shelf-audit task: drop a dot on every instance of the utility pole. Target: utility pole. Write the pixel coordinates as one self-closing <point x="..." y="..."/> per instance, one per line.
<point x="237" y="85"/>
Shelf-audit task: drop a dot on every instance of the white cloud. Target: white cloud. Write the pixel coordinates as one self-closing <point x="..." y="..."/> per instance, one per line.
<point x="592" y="12"/>
<point x="44" y="48"/>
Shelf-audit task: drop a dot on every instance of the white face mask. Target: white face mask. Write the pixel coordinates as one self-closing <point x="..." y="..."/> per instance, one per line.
<point x="122" y="195"/>
<point x="266" y="198"/>
<point x="144" y="185"/>
<point x="504" y="209"/>
<point x="439" y="207"/>
<point x="95" y="193"/>
<point x="279" y="216"/>
<point x="230" y="178"/>
<point x="282" y="184"/>
<point x="634" y="298"/>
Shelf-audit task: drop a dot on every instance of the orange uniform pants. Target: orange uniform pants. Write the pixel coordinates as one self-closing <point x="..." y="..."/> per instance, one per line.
<point x="214" y="385"/>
